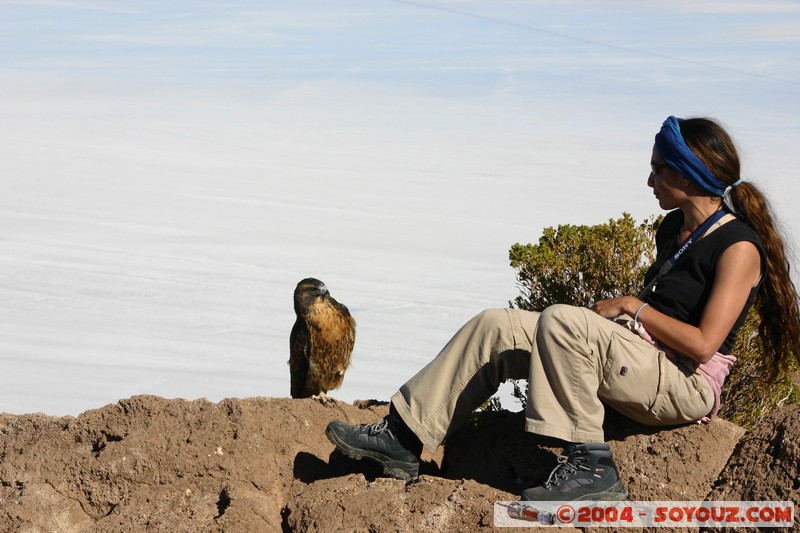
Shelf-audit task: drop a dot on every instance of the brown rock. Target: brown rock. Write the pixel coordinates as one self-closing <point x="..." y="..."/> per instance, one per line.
<point x="765" y="466"/>
<point x="264" y="464"/>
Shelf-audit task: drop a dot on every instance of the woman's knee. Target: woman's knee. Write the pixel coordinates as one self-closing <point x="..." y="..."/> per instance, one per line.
<point x="560" y="314"/>
<point x="513" y="325"/>
<point x="561" y="318"/>
<point x="492" y="318"/>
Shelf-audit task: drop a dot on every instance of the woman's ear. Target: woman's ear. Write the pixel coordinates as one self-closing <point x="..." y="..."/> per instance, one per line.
<point x="692" y="186"/>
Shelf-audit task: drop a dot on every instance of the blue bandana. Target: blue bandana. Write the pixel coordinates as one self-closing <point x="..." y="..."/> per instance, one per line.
<point x="677" y="155"/>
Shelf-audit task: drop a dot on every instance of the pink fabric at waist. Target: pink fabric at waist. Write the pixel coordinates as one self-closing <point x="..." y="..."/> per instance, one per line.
<point x="715" y="370"/>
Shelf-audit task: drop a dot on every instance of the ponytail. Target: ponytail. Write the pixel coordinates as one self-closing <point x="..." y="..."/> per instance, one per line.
<point x="777" y="303"/>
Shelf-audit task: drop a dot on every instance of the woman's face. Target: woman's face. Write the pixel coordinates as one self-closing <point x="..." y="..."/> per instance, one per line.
<point x="669" y="185"/>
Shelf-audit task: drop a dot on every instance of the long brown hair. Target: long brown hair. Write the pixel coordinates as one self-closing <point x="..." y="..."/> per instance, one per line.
<point x="777" y="301"/>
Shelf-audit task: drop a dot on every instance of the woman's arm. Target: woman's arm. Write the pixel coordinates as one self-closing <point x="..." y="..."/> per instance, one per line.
<point x="738" y="270"/>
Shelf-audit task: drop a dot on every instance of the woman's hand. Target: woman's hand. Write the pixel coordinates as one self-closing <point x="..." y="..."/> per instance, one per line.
<point x="738" y="271"/>
<point x="614" y="307"/>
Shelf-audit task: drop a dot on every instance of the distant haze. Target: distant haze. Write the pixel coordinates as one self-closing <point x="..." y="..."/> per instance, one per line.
<point x="170" y="170"/>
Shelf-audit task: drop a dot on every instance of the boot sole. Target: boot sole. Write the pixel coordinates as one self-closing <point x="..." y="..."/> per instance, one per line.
<point x="616" y="492"/>
<point x="397" y="469"/>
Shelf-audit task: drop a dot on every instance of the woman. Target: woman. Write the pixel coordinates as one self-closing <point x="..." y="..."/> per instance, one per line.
<point x="662" y="359"/>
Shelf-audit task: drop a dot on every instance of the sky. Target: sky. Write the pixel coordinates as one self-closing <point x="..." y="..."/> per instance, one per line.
<point x="170" y="170"/>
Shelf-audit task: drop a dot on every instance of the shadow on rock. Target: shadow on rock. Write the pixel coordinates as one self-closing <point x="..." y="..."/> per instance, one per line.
<point x="617" y="426"/>
<point x="309" y="468"/>
<point x="494" y="449"/>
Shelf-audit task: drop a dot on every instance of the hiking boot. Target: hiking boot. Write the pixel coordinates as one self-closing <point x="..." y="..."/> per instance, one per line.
<point x="379" y="442"/>
<point x="584" y="472"/>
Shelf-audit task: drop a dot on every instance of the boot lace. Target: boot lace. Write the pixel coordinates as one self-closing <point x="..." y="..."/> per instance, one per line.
<point x="568" y="465"/>
<point x="387" y="425"/>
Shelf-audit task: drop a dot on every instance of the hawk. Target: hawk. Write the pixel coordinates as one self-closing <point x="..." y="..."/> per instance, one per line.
<point x="321" y="341"/>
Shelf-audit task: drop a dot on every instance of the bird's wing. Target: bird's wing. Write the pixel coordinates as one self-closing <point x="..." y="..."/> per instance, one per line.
<point x="349" y="338"/>
<point x="346" y="325"/>
<point x="299" y="353"/>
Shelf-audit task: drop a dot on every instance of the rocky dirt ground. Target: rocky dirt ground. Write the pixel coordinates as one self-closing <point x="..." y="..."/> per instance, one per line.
<point x="264" y="464"/>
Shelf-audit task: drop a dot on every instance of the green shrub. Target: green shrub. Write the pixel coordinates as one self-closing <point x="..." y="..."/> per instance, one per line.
<point x="578" y="265"/>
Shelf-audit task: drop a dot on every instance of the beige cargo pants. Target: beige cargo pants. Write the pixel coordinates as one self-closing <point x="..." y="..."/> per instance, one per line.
<point x="575" y="361"/>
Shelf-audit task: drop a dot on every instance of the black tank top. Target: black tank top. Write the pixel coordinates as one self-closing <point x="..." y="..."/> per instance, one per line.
<point x="682" y="292"/>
